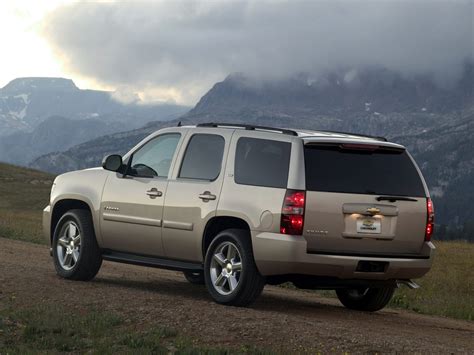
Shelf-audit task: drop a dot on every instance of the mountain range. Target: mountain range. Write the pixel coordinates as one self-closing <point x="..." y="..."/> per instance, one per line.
<point x="43" y="115"/>
<point x="434" y="122"/>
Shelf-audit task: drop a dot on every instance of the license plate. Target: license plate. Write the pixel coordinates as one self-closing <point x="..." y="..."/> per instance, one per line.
<point x="368" y="225"/>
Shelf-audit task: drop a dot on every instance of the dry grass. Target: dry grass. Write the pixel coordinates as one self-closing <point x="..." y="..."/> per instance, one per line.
<point x="23" y="195"/>
<point x="448" y="289"/>
<point x="53" y="329"/>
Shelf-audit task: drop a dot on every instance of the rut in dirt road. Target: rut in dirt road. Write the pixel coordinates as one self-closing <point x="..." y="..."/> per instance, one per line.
<point x="281" y="319"/>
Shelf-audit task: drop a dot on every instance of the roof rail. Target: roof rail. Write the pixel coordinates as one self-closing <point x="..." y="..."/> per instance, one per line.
<point x="248" y="127"/>
<point x="379" y="138"/>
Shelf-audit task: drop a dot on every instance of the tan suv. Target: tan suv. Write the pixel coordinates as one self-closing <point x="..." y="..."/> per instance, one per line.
<point x="238" y="206"/>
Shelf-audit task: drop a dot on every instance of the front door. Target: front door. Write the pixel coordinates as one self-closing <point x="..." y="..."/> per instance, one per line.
<point x="132" y="206"/>
<point x="192" y="196"/>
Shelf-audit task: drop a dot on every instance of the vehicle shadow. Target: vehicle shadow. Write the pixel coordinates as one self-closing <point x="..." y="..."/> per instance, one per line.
<point x="269" y="301"/>
<point x="162" y="286"/>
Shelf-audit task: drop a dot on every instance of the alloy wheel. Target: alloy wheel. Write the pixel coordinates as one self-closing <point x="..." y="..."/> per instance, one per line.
<point x="69" y="245"/>
<point x="226" y="268"/>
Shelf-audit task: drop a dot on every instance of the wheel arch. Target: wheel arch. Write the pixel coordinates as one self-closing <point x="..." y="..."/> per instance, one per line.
<point x="219" y="223"/>
<point x="62" y="206"/>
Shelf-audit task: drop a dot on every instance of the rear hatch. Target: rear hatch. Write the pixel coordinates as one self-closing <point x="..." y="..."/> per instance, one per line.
<point x="363" y="199"/>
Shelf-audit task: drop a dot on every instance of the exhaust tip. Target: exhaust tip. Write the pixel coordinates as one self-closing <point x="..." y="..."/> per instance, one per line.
<point x="409" y="283"/>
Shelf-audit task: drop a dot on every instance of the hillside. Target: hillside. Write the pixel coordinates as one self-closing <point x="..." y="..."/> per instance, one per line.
<point x="44" y="115"/>
<point x="53" y="134"/>
<point x="23" y="195"/>
<point x="435" y="123"/>
<point x="90" y="153"/>
<point x="347" y="93"/>
<point x="26" y="102"/>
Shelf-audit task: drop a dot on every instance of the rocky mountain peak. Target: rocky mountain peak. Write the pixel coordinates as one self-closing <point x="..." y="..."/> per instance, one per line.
<point x="338" y="93"/>
<point x="25" y="85"/>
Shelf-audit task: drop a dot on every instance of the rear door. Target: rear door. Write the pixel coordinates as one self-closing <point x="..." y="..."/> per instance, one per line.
<point x="193" y="193"/>
<point x="348" y="205"/>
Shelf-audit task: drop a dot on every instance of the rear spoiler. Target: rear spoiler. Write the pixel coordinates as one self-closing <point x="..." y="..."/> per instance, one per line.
<point x="361" y="146"/>
<point x="356" y="135"/>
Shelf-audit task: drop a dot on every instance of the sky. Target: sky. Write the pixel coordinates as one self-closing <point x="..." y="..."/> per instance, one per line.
<point x="176" y="50"/>
<point x="24" y="51"/>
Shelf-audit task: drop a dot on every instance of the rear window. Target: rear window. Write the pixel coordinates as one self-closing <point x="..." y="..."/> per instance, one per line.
<point x="378" y="172"/>
<point x="262" y="162"/>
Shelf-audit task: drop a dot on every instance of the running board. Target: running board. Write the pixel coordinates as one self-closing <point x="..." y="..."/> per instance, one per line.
<point x="151" y="261"/>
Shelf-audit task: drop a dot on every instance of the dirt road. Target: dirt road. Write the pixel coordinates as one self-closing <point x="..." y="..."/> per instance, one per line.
<point x="282" y="319"/>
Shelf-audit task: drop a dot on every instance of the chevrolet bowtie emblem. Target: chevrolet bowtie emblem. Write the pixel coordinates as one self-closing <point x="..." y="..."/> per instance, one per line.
<point x="373" y="211"/>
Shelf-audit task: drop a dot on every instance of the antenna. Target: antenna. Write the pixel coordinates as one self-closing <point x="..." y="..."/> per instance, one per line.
<point x="179" y="124"/>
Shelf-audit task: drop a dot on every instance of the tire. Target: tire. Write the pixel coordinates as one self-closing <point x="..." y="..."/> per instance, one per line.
<point x="369" y="300"/>
<point x="232" y="285"/>
<point x="84" y="258"/>
<point x="196" y="278"/>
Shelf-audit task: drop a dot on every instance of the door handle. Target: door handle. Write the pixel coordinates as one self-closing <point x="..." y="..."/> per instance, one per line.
<point x="154" y="193"/>
<point x="207" y="196"/>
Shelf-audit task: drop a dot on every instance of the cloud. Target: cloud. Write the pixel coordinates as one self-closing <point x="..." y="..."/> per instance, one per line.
<point x="183" y="47"/>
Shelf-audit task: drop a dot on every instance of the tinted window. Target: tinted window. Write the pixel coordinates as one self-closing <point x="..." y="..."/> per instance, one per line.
<point x="203" y="157"/>
<point x="155" y="157"/>
<point x="379" y="172"/>
<point x="262" y="162"/>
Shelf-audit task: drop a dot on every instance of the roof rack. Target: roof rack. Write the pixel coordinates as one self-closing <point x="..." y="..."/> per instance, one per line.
<point x="290" y="132"/>
<point x="379" y="138"/>
<point x="248" y="127"/>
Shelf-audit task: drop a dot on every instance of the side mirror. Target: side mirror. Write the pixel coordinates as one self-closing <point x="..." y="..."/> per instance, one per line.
<point x="112" y="162"/>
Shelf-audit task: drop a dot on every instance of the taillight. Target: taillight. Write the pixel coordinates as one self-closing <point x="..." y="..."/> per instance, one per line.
<point x="292" y="212"/>
<point x="429" y="219"/>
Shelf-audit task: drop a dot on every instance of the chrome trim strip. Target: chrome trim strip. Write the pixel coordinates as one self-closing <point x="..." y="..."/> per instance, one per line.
<point x="363" y="209"/>
<point x="378" y="236"/>
<point x="178" y="225"/>
<point x="133" y="220"/>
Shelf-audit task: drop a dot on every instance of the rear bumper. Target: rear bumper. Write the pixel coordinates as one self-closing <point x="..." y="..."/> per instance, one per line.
<point x="47" y="224"/>
<point x="278" y="254"/>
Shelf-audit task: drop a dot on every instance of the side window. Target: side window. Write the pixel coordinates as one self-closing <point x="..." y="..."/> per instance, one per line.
<point x="155" y="157"/>
<point x="262" y="162"/>
<point x="203" y="157"/>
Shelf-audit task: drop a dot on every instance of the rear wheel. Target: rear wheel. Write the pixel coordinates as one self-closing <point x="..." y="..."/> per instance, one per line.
<point x="76" y="254"/>
<point x="368" y="299"/>
<point x="196" y="278"/>
<point x="230" y="272"/>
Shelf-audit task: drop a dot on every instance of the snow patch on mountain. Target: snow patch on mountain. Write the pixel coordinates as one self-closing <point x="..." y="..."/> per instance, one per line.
<point x="350" y="76"/>
<point x="24" y="97"/>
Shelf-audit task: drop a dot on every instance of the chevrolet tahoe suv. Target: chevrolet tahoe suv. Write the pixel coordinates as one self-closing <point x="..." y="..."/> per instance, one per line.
<point x="236" y="207"/>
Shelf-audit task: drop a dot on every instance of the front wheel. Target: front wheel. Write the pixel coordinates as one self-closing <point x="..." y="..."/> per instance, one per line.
<point x="230" y="272"/>
<point x="365" y="299"/>
<point x="75" y="251"/>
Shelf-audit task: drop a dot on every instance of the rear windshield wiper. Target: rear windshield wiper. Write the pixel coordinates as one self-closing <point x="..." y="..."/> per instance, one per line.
<point x="395" y="198"/>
